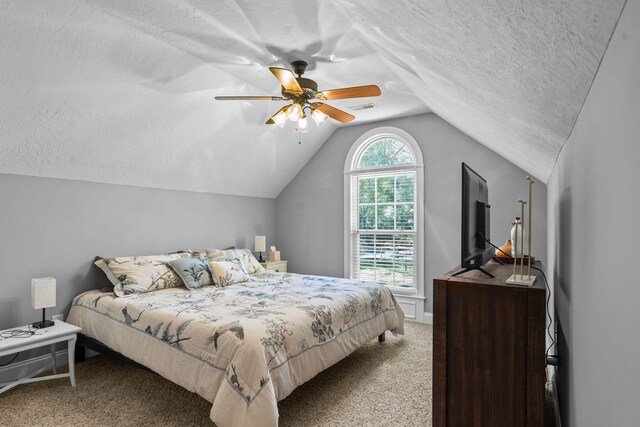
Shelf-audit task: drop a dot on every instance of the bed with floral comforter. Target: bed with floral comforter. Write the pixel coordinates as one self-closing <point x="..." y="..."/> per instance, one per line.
<point x="245" y="346"/>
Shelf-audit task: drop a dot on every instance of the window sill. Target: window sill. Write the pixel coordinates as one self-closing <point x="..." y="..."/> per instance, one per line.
<point x="409" y="293"/>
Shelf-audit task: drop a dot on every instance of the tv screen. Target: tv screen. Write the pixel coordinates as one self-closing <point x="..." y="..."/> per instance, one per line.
<point x="475" y="251"/>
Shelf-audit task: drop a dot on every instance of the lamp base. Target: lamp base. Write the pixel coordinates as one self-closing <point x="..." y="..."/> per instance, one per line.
<point x="43" y="324"/>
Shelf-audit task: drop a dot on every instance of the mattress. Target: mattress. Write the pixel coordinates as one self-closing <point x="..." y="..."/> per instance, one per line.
<point x="245" y="346"/>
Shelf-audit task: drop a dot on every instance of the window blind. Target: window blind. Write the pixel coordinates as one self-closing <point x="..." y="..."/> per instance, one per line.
<point x="383" y="230"/>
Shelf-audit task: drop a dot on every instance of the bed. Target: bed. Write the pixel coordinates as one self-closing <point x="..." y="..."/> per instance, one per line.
<point x="245" y="346"/>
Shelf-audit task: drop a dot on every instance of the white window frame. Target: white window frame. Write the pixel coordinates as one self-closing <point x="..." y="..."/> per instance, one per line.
<point x="350" y="170"/>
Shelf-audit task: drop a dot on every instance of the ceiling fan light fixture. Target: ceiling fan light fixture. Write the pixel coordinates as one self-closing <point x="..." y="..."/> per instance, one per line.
<point x="280" y="118"/>
<point x="302" y="122"/>
<point x="319" y="116"/>
<point x="294" y="112"/>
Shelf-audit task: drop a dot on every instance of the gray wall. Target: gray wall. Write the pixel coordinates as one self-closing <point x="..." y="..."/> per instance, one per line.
<point x="54" y="227"/>
<point x="310" y="215"/>
<point x="593" y="243"/>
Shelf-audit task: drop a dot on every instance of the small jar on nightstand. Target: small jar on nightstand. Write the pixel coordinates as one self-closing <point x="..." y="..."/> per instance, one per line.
<point x="278" y="266"/>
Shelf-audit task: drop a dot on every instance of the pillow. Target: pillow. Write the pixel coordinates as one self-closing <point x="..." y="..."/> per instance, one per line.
<point x="140" y="274"/>
<point x="256" y="267"/>
<point x="105" y="284"/>
<point x="250" y="263"/>
<point x="227" y="271"/>
<point x="215" y="253"/>
<point x="193" y="271"/>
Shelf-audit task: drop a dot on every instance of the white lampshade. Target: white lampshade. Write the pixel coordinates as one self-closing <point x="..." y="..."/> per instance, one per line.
<point x="43" y="292"/>
<point x="260" y="243"/>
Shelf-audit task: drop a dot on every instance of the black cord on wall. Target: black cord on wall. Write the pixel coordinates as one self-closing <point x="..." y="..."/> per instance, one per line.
<point x="546" y="353"/>
<point x="10" y="361"/>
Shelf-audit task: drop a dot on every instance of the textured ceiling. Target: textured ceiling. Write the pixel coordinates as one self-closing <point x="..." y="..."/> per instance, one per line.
<point x="122" y="91"/>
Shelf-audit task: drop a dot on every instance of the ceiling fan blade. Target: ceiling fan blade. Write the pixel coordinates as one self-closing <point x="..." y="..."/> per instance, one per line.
<point x="250" y="98"/>
<point x="287" y="79"/>
<point x="334" y="113"/>
<point x="349" y="92"/>
<point x="271" y="121"/>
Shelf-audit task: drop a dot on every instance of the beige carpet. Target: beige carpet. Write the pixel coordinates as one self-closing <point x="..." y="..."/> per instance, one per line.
<point x="381" y="384"/>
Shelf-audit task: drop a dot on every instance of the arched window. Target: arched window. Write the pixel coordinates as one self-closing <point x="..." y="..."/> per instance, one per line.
<point x="383" y="213"/>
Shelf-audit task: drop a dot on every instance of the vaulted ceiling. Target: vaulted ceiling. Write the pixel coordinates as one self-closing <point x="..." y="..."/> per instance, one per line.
<point x="122" y="91"/>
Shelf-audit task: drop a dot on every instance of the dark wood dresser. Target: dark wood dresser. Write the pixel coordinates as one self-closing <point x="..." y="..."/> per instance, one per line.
<point x="488" y="350"/>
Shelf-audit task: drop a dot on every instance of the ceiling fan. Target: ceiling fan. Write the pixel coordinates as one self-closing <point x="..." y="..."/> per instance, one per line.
<point x="301" y="91"/>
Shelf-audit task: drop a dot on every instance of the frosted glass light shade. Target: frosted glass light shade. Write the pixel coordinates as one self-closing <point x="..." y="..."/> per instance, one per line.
<point x="294" y="112"/>
<point x="319" y="116"/>
<point x="260" y="243"/>
<point x="302" y="123"/>
<point x="43" y="292"/>
<point x="280" y="118"/>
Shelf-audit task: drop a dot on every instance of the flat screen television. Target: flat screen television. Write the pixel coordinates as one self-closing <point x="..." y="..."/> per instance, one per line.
<point x="476" y="215"/>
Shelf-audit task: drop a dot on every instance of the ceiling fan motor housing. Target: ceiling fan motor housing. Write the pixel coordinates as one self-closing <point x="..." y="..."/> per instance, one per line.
<point x="299" y="67"/>
<point x="309" y="89"/>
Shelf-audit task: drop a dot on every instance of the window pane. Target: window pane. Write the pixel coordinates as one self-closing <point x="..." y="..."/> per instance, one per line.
<point x="367" y="190"/>
<point x="404" y="156"/>
<point x="404" y="266"/>
<point x="387" y="258"/>
<point x="367" y="218"/>
<point x="385" y="189"/>
<point x="372" y="155"/>
<point x="385" y="217"/>
<point x="385" y="152"/>
<point x="404" y="217"/>
<point x="404" y="188"/>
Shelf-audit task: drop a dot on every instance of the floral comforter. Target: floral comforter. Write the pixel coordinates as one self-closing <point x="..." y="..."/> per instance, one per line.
<point x="242" y="347"/>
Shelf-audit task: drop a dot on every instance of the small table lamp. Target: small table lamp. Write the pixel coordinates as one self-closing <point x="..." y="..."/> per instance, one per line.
<point x="260" y="246"/>
<point x="43" y="295"/>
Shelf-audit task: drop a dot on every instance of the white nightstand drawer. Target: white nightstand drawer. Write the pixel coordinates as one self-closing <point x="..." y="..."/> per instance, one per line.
<point x="279" y="266"/>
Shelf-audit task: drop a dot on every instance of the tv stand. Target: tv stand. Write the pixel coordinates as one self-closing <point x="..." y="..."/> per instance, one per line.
<point x="464" y="270"/>
<point x="488" y="350"/>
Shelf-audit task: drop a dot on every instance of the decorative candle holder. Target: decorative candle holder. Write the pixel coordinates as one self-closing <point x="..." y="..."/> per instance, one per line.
<point x="521" y="279"/>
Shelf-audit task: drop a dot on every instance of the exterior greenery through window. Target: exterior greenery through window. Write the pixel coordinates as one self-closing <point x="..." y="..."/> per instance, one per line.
<point x="383" y="214"/>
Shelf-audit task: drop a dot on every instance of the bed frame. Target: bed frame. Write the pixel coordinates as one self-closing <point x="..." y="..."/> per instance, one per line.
<point x="84" y="342"/>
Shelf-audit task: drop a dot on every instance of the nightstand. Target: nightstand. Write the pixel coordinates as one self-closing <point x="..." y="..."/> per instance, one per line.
<point x="279" y="266"/>
<point x="59" y="332"/>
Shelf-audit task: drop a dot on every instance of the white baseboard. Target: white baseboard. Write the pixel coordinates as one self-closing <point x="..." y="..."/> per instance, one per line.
<point x="21" y="369"/>
<point x="428" y="318"/>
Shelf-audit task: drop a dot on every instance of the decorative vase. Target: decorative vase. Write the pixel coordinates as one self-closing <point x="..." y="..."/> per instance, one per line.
<point x="522" y="242"/>
<point x="504" y="250"/>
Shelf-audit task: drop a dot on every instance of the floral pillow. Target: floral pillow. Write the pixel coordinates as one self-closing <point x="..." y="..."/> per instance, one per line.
<point x="140" y="274"/>
<point x="253" y="264"/>
<point x="250" y="263"/>
<point x="194" y="271"/>
<point x="227" y="271"/>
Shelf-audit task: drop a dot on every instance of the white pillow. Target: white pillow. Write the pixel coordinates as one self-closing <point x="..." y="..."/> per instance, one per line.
<point x="140" y="274"/>
<point x="250" y="263"/>
<point x="227" y="271"/>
